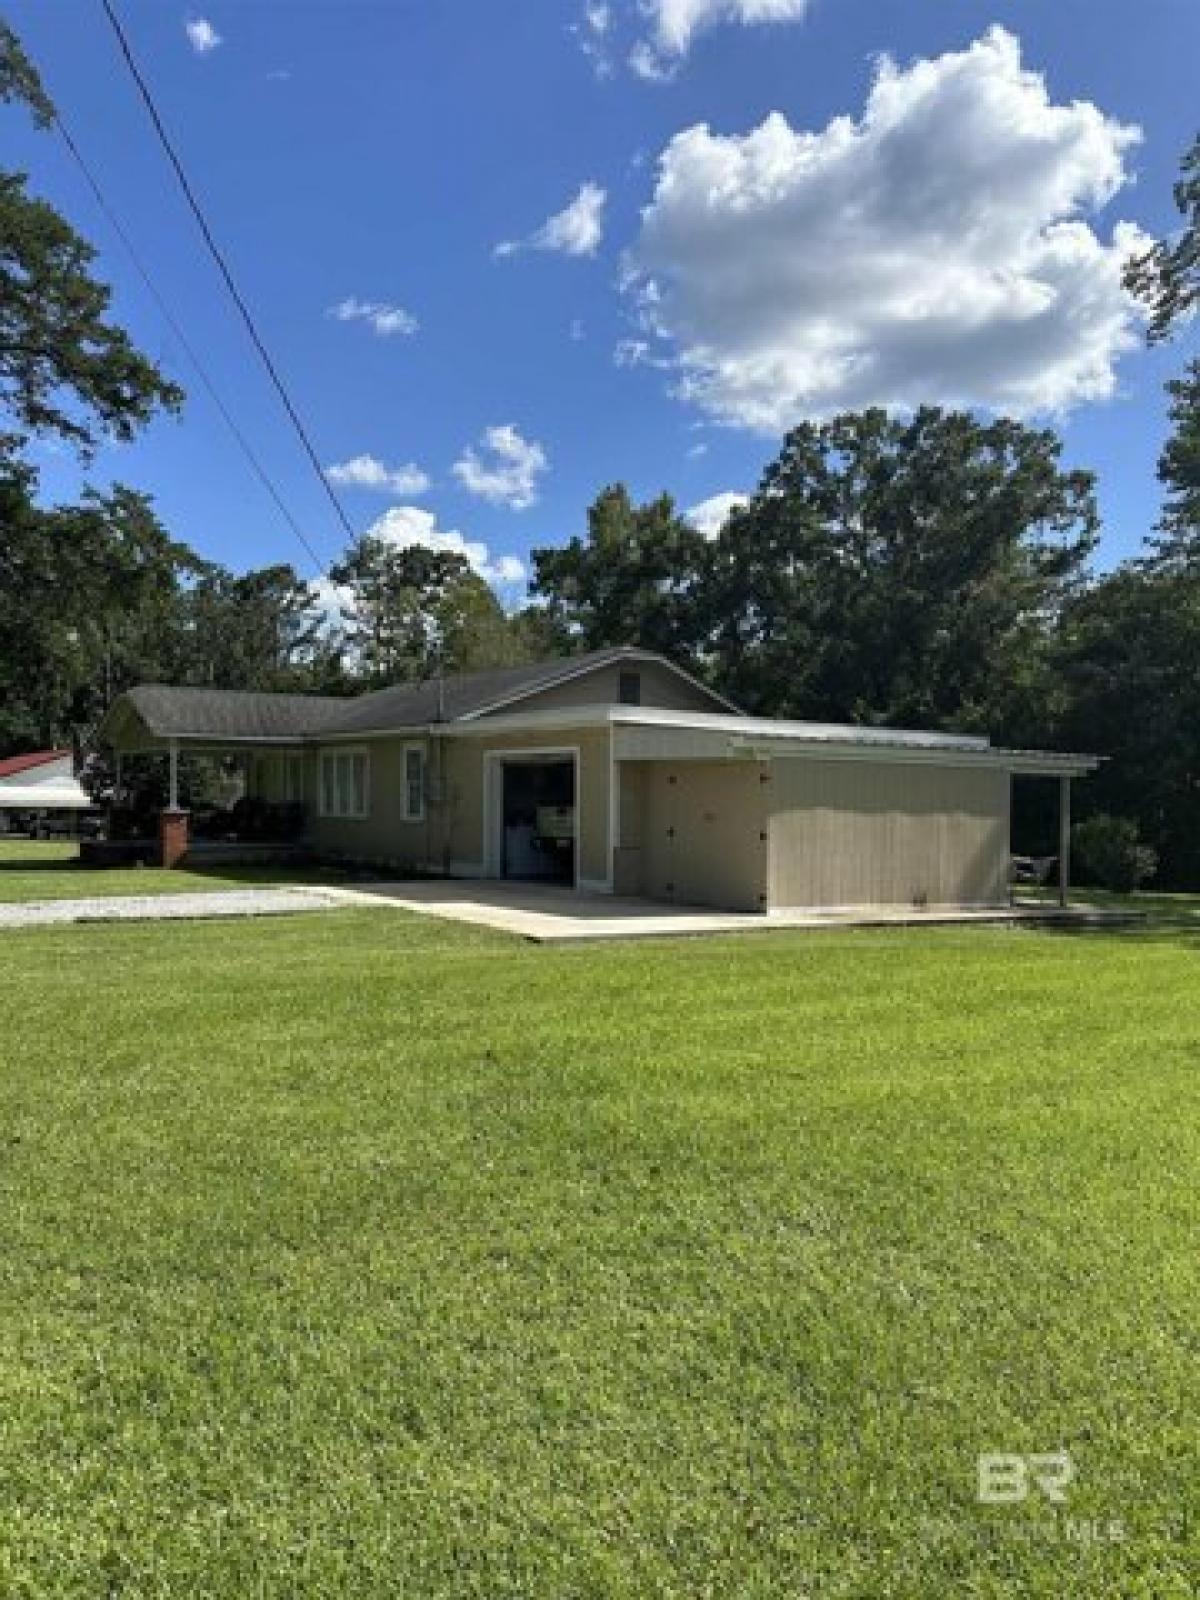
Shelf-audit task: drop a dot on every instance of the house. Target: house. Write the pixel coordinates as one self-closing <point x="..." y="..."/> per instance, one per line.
<point x="614" y="772"/>
<point x="36" y="788"/>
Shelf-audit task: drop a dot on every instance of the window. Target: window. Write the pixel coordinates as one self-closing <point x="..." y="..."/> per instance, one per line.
<point x="629" y="688"/>
<point x="414" y="783"/>
<point x="343" y="787"/>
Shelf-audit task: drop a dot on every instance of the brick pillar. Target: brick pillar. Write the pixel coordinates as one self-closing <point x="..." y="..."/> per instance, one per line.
<point x="172" y="838"/>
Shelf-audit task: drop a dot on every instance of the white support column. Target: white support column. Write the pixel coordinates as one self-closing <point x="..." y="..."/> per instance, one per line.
<point x="173" y="788"/>
<point x="1064" y="839"/>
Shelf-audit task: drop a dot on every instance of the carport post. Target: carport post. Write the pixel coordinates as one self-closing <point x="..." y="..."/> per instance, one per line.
<point x="173" y="785"/>
<point x="1064" y="839"/>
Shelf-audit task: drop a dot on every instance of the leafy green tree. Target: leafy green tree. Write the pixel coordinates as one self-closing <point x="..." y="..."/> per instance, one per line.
<point x="90" y="602"/>
<point x="256" y="630"/>
<point x="1167" y="276"/>
<point x="64" y="368"/>
<point x="633" y="580"/>
<point x="1167" y="279"/>
<point x="899" y="571"/>
<point x="1126" y="660"/>
<point x="408" y="611"/>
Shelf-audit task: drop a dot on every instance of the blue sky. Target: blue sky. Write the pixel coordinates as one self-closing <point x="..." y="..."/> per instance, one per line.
<point x="376" y="154"/>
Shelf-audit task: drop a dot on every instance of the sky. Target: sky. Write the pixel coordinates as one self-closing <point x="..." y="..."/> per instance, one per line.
<point x="505" y="254"/>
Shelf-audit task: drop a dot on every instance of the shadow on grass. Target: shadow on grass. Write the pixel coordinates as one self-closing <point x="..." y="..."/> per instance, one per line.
<point x="1181" y="929"/>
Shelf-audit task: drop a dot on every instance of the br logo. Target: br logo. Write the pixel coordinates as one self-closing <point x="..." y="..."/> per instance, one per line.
<point x="1004" y="1479"/>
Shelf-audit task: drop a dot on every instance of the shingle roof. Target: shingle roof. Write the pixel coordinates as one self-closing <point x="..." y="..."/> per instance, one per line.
<point x="173" y="713"/>
<point x="233" y="714"/>
<point x="11" y="765"/>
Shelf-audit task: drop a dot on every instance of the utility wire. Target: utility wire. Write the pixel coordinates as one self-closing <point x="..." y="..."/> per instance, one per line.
<point x="223" y="266"/>
<point x="189" y="349"/>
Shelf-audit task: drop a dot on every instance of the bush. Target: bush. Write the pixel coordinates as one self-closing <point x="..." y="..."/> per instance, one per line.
<point x="1109" y="854"/>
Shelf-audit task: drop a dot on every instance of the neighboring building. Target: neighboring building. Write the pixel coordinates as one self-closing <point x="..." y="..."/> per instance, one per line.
<point x="616" y="772"/>
<point x="37" y="788"/>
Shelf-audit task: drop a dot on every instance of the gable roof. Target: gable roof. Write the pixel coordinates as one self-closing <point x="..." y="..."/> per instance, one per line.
<point x="223" y="714"/>
<point x="10" y="766"/>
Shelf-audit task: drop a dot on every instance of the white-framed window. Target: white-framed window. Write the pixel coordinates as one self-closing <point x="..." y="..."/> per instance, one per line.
<point x="413" y="795"/>
<point x="344" y="789"/>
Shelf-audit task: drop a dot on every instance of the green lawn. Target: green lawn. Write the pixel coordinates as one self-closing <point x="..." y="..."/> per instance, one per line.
<point x="363" y="1255"/>
<point x="36" y="870"/>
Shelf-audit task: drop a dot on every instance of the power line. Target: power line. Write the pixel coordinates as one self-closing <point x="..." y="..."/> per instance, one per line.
<point x="189" y="349"/>
<point x="223" y="266"/>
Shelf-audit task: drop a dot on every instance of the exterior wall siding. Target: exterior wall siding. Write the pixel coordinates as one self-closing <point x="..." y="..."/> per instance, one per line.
<point x="858" y="833"/>
<point x="464" y="793"/>
<point x="661" y="688"/>
<point x="382" y="835"/>
<point x="694" y="833"/>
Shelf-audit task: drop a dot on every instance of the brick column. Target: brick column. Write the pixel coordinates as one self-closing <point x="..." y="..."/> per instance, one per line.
<point x="172" y="838"/>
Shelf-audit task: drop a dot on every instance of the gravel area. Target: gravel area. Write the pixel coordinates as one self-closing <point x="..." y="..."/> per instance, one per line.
<point x="167" y="907"/>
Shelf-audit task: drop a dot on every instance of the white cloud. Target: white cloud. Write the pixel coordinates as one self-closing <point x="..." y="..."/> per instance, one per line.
<point x="405" y="526"/>
<point x="202" y="36"/>
<point x="577" y="331"/>
<point x="695" y="451"/>
<point x="368" y="472"/>
<point x="935" y="250"/>
<point x="592" y="33"/>
<point x="575" y="231"/>
<point x="507" y="473"/>
<point x="676" y="22"/>
<point x="711" y="515"/>
<point x="385" y="319"/>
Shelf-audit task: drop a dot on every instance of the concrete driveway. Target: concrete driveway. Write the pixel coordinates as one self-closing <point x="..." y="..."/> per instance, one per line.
<point x="551" y="914"/>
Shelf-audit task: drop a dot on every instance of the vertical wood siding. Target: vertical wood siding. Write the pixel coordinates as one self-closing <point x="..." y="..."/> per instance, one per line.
<point x="859" y="833"/>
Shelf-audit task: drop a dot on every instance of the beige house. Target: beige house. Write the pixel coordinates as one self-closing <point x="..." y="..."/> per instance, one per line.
<point x="617" y="772"/>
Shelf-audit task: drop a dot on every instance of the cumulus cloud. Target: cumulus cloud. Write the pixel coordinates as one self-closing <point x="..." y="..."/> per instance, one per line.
<point x="405" y="526"/>
<point x="711" y="515"/>
<point x="368" y="472"/>
<point x="385" y="319"/>
<point x="936" y="249"/>
<point x="505" y="471"/>
<point x="575" y="231"/>
<point x="201" y="34"/>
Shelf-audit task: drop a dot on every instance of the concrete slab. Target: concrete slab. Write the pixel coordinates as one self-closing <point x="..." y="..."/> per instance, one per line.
<point x="550" y="914"/>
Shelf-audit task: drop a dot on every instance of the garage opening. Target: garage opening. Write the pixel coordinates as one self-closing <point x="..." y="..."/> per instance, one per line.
<point x="538" y="819"/>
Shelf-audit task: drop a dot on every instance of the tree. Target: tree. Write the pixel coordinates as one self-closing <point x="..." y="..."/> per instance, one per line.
<point x="1167" y="276"/>
<point x="633" y="580"/>
<point x="899" y="571"/>
<point x="260" y="630"/>
<point x="64" y="369"/>
<point x="1177" y="543"/>
<point x="408" y="611"/>
<point x="90" y="602"/>
<point x="1126" y="659"/>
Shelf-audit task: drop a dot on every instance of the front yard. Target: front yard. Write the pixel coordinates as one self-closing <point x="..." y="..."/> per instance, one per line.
<point x="361" y="1255"/>
<point x="32" y="870"/>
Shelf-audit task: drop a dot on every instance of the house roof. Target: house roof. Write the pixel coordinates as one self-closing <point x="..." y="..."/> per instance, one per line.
<point x="10" y="766"/>
<point x="221" y="714"/>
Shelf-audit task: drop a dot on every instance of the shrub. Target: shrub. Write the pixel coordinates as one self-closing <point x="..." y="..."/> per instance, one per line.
<point x="1109" y="854"/>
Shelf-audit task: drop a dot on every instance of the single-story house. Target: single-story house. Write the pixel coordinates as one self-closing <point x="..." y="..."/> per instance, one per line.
<point x="616" y="772"/>
<point x="37" y="787"/>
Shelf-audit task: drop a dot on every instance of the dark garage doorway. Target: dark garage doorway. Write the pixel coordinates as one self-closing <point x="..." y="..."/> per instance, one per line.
<point x="538" y="820"/>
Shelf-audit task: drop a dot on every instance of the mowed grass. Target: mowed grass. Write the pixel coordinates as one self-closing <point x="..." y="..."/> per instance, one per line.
<point x="365" y="1255"/>
<point x="37" y="870"/>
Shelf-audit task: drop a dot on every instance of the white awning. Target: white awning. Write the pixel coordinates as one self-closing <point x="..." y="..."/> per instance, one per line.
<point x="44" y="797"/>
